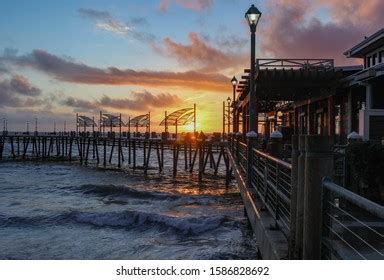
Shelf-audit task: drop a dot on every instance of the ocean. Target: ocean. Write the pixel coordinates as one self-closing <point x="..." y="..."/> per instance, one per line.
<point x="52" y="210"/>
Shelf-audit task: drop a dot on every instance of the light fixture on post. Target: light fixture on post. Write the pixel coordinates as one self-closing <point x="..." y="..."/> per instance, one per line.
<point x="229" y="114"/>
<point x="234" y="84"/>
<point x="234" y="124"/>
<point x="253" y="16"/>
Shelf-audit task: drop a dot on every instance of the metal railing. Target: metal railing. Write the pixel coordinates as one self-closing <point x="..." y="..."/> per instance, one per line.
<point x="353" y="226"/>
<point x="340" y="166"/>
<point x="240" y="153"/>
<point x="271" y="180"/>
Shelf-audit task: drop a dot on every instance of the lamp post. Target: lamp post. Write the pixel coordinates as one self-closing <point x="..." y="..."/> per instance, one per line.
<point x="35" y="126"/>
<point x="234" y="123"/>
<point x="253" y="16"/>
<point x="229" y="114"/>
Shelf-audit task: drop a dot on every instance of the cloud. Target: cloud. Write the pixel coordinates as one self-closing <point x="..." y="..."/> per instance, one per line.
<point x="140" y="101"/>
<point x="95" y="14"/>
<point x="195" y="5"/>
<point x="67" y="70"/>
<point x="21" y="85"/>
<point x="18" y="92"/>
<point x="82" y="104"/>
<point x="294" y="30"/>
<point x="107" y="22"/>
<point x="199" y="54"/>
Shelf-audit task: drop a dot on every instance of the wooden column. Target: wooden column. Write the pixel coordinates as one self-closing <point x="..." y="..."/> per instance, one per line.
<point x="331" y="116"/>
<point x="318" y="164"/>
<point x="310" y="119"/>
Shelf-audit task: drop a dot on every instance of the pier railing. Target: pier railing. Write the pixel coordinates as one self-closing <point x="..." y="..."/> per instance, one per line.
<point x="317" y="217"/>
<point x="270" y="180"/>
<point x="353" y="226"/>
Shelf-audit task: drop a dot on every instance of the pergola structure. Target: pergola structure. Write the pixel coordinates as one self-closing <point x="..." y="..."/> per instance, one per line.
<point x="140" y="121"/>
<point x="180" y="117"/>
<point x="288" y="86"/>
<point x="84" y="122"/>
<point x="111" y="121"/>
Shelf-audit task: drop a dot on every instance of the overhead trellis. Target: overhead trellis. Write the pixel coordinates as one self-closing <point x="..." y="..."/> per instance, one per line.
<point x="111" y="120"/>
<point x="140" y="121"/>
<point x="180" y="117"/>
<point x="186" y="119"/>
<point x="85" y="121"/>
<point x="174" y="118"/>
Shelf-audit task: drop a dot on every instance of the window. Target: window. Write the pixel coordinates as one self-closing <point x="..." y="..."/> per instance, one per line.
<point x="374" y="59"/>
<point x="368" y="61"/>
<point x="319" y="123"/>
<point x="303" y="124"/>
<point x="381" y="56"/>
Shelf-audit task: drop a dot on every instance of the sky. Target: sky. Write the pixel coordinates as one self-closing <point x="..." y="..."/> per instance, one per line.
<point x="59" y="58"/>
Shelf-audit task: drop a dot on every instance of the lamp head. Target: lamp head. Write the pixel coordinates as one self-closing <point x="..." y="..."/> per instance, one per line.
<point x="253" y="16"/>
<point x="234" y="81"/>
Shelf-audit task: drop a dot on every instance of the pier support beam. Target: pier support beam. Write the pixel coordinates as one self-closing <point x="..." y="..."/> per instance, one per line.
<point x="318" y="164"/>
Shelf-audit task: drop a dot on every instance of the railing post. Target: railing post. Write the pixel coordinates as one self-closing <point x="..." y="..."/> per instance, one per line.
<point x="326" y="222"/>
<point x="293" y="204"/>
<point x="318" y="164"/>
<point x="275" y="145"/>
<point x="238" y="135"/>
<point x="277" y="196"/>
<point x="300" y="198"/>
<point x="251" y="142"/>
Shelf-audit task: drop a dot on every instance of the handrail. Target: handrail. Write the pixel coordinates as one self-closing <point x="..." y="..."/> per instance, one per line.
<point x="276" y="160"/>
<point x="356" y="199"/>
<point x="242" y="144"/>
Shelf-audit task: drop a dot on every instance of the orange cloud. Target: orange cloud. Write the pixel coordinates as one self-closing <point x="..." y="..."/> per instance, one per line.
<point x="140" y="101"/>
<point x="75" y="72"/>
<point x="291" y="30"/>
<point x="200" y="54"/>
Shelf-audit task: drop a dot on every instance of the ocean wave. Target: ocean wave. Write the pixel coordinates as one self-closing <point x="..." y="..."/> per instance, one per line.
<point x="136" y="219"/>
<point x="124" y="191"/>
<point x="111" y="189"/>
<point x="128" y="220"/>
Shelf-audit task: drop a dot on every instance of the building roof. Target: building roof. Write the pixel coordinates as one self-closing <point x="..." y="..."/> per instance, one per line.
<point x="369" y="44"/>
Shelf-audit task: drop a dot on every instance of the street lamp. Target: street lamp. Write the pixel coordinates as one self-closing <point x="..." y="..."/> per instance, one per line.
<point x="35" y="126"/>
<point x="234" y="84"/>
<point x="253" y="16"/>
<point x="229" y="114"/>
<point x="234" y="124"/>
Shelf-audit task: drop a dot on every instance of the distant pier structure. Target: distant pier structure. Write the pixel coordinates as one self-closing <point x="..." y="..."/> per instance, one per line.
<point x="104" y="147"/>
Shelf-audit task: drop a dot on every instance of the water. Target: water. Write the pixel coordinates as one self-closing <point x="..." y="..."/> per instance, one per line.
<point x="66" y="211"/>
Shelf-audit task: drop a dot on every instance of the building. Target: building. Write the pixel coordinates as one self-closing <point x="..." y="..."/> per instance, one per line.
<point x="312" y="96"/>
<point x="367" y="87"/>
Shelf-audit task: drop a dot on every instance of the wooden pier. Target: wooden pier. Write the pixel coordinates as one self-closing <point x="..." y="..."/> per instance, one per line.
<point x="192" y="155"/>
